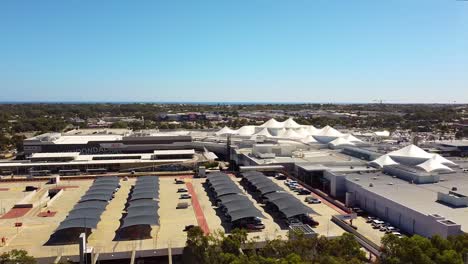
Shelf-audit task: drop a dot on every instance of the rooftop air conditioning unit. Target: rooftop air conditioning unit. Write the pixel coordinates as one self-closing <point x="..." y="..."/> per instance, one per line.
<point x="390" y="183"/>
<point x="356" y="179"/>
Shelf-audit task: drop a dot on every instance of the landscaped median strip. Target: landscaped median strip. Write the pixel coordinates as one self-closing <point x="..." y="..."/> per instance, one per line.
<point x="197" y="209"/>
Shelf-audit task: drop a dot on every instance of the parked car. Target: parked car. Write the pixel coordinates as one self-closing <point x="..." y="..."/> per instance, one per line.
<point x="304" y="192"/>
<point x="179" y="181"/>
<point x="369" y="219"/>
<point x="182" y="205"/>
<point x="398" y="234"/>
<point x="391" y="229"/>
<point x="312" y="200"/>
<point x="185" y="196"/>
<point x="181" y="190"/>
<point x="358" y="211"/>
<point x="280" y="176"/>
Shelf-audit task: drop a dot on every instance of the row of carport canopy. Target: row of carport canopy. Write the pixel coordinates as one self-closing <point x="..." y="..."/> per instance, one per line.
<point x="87" y="212"/>
<point x="228" y="193"/>
<point x="143" y="203"/>
<point x="285" y="202"/>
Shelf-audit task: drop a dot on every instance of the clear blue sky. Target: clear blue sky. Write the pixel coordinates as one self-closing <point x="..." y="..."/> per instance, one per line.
<point x="242" y="50"/>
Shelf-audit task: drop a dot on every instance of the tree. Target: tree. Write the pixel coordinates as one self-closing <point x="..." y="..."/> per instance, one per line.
<point x="16" y="257"/>
<point x="417" y="249"/>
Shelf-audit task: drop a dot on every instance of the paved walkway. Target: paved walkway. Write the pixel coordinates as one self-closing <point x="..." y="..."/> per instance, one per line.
<point x="15" y="213"/>
<point x="197" y="209"/>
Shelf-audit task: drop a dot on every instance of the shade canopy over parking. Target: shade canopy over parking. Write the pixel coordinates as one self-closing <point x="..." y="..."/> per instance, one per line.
<point x="288" y="205"/>
<point x="96" y="197"/>
<point x="237" y="205"/>
<point x="87" y="212"/>
<point x="222" y="184"/>
<point x="142" y="209"/>
<point x="140" y="220"/>
<point x="78" y="223"/>
<point x="248" y="212"/>
<point x="91" y="204"/>
<point x="261" y="183"/>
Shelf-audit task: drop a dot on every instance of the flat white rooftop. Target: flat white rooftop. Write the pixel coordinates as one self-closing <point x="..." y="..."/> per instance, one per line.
<point x="174" y="152"/>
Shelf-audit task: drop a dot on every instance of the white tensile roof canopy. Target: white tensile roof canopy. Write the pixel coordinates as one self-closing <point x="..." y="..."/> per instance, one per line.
<point x="225" y="130"/>
<point x="351" y="138"/>
<point x="291" y="134"/>
<point x="383" y="160"/>
<point x="340" y="142"/>
<point x="290" y="123"/>
<point x="330" y="132"/>
<point x="442" y="160"/>
<point x="309" y="139"/>
<point x="272" y="123"/>
<point x="263" y="132"/>
<point x="312" y="130"/>
<point x="432" y="164"/>
<point x="245" y="131"/>
<point x="412" y="151"/>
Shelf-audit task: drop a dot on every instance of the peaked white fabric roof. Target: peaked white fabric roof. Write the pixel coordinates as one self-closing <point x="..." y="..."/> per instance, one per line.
<point x="291" y="134"/>
<point x="383" y="160"/>
<point x="263" y="132"/>
<point x="433" y="165"/>
<point x="309" y="139"/>
<point x="340" y="141"/>
<point x="351" y="138"/>
<point x="224" y="130"/>
<point x="281" y="132"/>
<point x="442" y="160"/>
<point x="302" y="132"/>
<point x="330" y="132"/>
<point x="312" y="130"/>
<point x="290" y="123"/>
<point x="245" y="131"/>
<point x="272" y="123"/>
<point x="412" y="151"/>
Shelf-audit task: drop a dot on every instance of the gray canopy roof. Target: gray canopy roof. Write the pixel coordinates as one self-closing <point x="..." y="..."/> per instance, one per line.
<point x="96" y="196"/>
<point x="143" y="202"/>
<point x="78" y="223"/>
<point x="288" y="204"/>
<point x="270" y="188"/>
<point x="85" y="212"/>
<point x="144" y="195"/>
<point x="245" y="213"/>
<point x="227" y="190"/>
<point x="219" y="180"/>
<point x="91" y="204"/>
<point x="232" y="197"/>
<point x="140" y="220"/>
<point x="255" y="181"/>
<point x="293" y="211"/>
<point x="142" y="210"/>
<point x="252" y="174"/>
<point x="223" y="184"/>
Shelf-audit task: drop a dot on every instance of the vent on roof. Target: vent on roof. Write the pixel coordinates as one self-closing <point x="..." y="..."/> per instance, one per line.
<point x="374" y="178"/>
<point x="390" y="183"/>
<point x="371" y="184"/>
<point x="454" y="189"/>
<point x="356" y="179"/>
